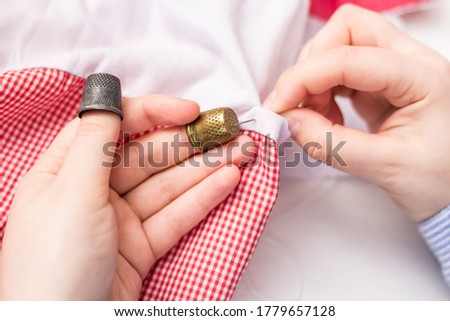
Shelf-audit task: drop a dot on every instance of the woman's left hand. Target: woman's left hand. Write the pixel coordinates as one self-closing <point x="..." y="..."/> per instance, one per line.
<point x="79" y="229"/>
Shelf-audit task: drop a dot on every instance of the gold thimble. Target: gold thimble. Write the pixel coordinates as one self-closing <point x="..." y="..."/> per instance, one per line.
<point x="212" y="128"/>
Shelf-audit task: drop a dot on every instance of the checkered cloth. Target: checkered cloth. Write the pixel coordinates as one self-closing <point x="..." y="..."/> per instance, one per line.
<point x="207" y="263"/>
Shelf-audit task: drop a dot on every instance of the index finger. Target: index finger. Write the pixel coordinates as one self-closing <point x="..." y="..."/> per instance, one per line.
<point x="360" y="68"/>
<point x="355" y="26"/>
<point x="142" y="113"/>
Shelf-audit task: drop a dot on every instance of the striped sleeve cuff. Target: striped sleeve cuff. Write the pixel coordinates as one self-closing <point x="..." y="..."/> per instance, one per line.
<point x="436" y="232"/>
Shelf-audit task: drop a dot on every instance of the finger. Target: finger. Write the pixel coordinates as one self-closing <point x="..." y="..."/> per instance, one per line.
<point x="346" y="149"/>
<point x="316" y="102"/>
<point x="167" y="185"/>
<point x="142" y="113"/>
<point x="373" y="108"/>
<point x="139" y="159"/>
<point x="324" y="104"/>
<point x="355" y="26"/>
<point x="352" y="67"/>
<point x="86" y="165"/>
<point x="304" y="53"/>
<point x="333" y="113"/>
<point x="165" y="228"/>
<point x="49" y="164"/>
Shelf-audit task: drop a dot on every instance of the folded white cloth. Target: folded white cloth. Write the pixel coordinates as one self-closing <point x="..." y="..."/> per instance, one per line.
<point x="218" y="53"/>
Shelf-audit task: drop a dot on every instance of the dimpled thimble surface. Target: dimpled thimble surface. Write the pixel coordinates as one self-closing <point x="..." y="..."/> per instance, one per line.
<point x="212" y="128"/>
<point x="102" y="92"/>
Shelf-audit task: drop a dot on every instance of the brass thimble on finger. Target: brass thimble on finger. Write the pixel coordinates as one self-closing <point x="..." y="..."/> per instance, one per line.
<point x="212" y="128"/>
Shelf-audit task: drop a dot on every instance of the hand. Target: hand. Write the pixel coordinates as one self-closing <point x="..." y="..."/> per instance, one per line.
<point x="79" y="229"/>
<point x="398" y="86"/>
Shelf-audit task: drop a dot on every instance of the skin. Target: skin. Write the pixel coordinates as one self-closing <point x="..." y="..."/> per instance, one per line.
<point x="78" y="230"/>
<point x="397" y="85"/>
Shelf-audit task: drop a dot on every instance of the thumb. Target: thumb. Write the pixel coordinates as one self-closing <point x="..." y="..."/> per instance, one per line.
<point x="89" y="159"/>
<point x="346" y="149"/>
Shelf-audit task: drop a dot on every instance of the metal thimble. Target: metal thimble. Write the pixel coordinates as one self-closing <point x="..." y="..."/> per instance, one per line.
<point x="102" y="92"/>
<point x="212" y="128"/>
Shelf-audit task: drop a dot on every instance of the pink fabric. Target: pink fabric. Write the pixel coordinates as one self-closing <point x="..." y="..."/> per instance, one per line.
<point x="324" y="8"/>
<point x="207" y="263"/>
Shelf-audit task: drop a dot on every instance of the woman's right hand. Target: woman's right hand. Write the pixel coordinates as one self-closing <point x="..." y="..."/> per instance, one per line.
<point x="397" y="85"/>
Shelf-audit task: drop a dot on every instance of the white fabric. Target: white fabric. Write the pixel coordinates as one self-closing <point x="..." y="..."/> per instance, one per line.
<point x="207" y="51"/>
<point x="322" y="241"/>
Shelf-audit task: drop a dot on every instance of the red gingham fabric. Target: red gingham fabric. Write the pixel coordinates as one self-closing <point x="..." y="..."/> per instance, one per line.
<point x="207" y="263"/>
<point x="224" y="241"/>
<point x="324" y="8"/>
<point x="35" y="104"/>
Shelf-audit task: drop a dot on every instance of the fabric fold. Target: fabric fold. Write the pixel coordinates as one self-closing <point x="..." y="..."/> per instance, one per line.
<point x="264" y="121"/>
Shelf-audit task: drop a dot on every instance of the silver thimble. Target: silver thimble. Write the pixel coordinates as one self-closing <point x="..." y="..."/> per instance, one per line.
<point x="212" y="128"/>
<point x="102" y="92"/>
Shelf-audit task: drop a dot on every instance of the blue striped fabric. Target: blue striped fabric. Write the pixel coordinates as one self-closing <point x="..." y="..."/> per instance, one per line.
<point x="436" y="232"/>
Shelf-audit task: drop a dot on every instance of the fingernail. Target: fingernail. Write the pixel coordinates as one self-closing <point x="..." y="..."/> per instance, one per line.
<point x="305" y="104"/>
<point x="293" y="125"/>
<point x="270" y="99"/>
